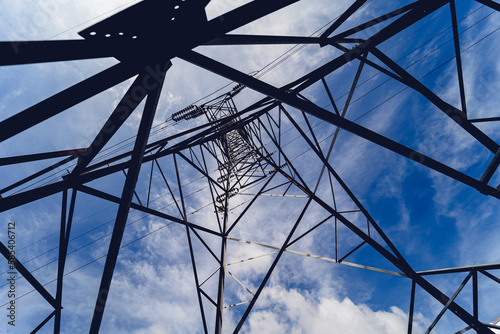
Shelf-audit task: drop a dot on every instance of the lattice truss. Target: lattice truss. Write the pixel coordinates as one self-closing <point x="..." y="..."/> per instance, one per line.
<point x="221" y="179"/>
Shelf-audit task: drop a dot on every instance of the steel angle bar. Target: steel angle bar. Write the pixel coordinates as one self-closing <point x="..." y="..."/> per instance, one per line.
<point x="369" y="62"/>
<point x="475" y="295"/>
<point x="206" y="245"/>
<point x="448" y="304"/>
<point x="111" y="198"/>
<point x="40" y="326"/>
<point x="332" y="101"/>
<point x="234" y="39"/>
<point x="195" y="273"/>
<point x="343" y="17"/>
<point x="40" y="156"/>
<point x="208" y="297"/>
<point x="490" y="3"/>
<point x="29" y="196"/>
<point x="310" y="230"/>
<point x="168" y="187"/>
<point x="135" y="192"/>
<point x="487" y="274"/>
<point x="28" y="276"/>
<point x="237" y="280"/>
<point x="65" y="99"/>
<point x="65" y="232"/>
<point x="60" y="263"/>
<point x="458" y="55"/>
<point x="201" y="171"/>
<point x="250" y="258"/>
<point x="120" y="114"/>
<point x="489" y="266"/>
<point x="29" y="52"/>
<point x="237" y="304"/>
<point x="375" y="21"/>
<point x="243" y="15"/>
<point x="412" y="307"/>
<point x="126" y="200"/>
<point x="271" y="269"/>
<point x="351" y="251"/>
<point x="492" y="167"/>
<point x="38" y="174"/>
<point x="480" y="120"/>
<point x="150" y="181"/>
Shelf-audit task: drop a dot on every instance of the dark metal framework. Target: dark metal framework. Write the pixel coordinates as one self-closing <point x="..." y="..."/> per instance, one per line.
<point x="236" y="151"/>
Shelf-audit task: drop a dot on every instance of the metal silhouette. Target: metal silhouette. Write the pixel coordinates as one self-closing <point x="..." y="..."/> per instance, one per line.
<point x="239" y="152"/>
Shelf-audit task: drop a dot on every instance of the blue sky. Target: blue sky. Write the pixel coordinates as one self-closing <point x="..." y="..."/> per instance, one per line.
<point x="434" y="221"/>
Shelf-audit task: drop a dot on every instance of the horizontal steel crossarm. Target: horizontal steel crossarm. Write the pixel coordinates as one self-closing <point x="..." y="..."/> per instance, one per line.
<point x="489" y="266"/>
<point x="114" y="199"/>
<point x="37" y="174"/>
<point x="29" y="52"/>
<point x="39" y="156"/>
<point x="233" y="39"/>
<point x="325" y="115"/>
<point x="27" y="275"/>
<point x="32" y="195"/>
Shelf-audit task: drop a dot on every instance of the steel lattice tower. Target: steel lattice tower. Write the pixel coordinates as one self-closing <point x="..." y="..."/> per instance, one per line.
<point x="239" y="153"/>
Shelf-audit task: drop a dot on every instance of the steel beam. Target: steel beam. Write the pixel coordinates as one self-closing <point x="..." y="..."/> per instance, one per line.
<point x="123" y="110"/>
<point x="29" y="52"/>
<point x="458" y="55"/>
<point x="126" y="200"/>
<point x="490" y="3"/>
<point x="39" y="156"/>
<point x="28" y="276"/>
<point x="117" y="200"/>
<point x="65" y="99"/>
<point x="343" y="17"/>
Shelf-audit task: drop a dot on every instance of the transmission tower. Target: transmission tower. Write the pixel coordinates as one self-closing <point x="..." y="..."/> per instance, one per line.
<point x="246" y="155"/>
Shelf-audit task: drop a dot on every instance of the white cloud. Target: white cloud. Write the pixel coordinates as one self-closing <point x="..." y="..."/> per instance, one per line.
<point x="290" y="311"/>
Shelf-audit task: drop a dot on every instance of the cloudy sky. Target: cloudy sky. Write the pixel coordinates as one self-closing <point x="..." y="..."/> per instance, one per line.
<point x="434" y="221"/>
